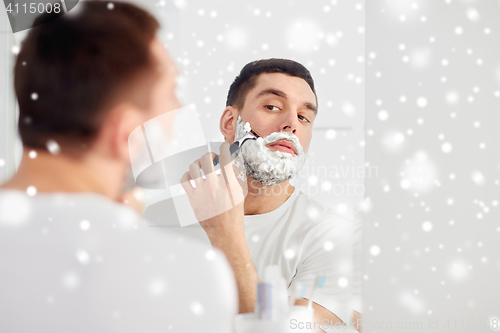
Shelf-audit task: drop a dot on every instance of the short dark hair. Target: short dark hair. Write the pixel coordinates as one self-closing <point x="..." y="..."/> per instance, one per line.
<point x="72" y="68"/>
<point x="245" y="81"/>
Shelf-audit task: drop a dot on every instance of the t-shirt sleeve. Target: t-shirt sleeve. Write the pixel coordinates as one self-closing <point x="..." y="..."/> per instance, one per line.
<point x="328" y="251"/>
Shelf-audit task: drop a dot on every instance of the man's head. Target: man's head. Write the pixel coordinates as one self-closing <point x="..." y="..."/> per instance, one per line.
<point x="88" y="79"/>
<point x="274" y="96"/>
<point x="247" y="78"/>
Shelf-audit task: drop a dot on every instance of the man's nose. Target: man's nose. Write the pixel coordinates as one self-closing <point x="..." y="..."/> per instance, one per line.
<point x="290" y="122"/>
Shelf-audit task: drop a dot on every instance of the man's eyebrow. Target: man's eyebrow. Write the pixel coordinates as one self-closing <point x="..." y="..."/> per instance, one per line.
<point x="282" y="94"/>
<point x="311" y="107"/>
<point x="273" y="92"/>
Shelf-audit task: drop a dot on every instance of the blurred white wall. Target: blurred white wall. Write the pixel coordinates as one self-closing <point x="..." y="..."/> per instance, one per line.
<point x="432" y="249"/>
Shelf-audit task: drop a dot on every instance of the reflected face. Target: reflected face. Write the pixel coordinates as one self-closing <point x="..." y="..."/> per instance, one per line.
<point x="280" y="102"/>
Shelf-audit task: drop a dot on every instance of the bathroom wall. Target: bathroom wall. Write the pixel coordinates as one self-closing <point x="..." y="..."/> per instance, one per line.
<point x="432" y="233"/>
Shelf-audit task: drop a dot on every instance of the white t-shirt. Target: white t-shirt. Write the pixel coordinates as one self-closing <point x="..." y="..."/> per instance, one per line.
<point x="82" y="263"/>
<point x="304" y="238"/>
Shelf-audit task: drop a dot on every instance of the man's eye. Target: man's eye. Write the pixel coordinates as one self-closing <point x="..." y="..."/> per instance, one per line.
<point x="304" y="118"/>
<point x="272" y="107"/>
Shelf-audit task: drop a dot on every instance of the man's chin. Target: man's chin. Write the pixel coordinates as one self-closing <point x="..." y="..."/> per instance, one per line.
<point x="282" y="154"/>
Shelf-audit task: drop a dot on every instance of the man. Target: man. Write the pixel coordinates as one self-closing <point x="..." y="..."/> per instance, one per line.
<point x="72" y="258"/>
<point x="277" y="223"/>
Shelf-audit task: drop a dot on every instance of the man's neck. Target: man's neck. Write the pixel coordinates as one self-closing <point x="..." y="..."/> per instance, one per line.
<point x="263" y="199"/>
<point x="58" y="173"/>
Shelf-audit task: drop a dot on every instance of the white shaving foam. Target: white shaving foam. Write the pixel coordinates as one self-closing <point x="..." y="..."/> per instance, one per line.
<point x="240" y="132"/>
<point x="265" y="165"/>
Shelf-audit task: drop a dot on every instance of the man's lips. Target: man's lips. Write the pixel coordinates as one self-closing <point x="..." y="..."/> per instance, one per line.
<point x="284" y="146"/>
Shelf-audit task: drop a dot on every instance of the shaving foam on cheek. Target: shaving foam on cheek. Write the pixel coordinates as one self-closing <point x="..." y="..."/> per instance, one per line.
<point x="241" y="129"/>
<point x="240" y="132"/>
<point x="268" y="166"/>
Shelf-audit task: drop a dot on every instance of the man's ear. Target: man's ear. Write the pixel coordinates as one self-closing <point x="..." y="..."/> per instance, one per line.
<point x="228" y="122"/>
<point x="116" y="129"/>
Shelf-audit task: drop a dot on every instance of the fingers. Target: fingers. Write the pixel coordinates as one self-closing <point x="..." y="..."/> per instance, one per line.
<point x="186" y="182"/>
<point x="207" y="164"/>
<point x="194" y="172"/>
